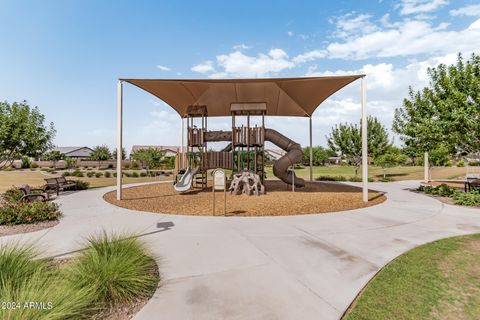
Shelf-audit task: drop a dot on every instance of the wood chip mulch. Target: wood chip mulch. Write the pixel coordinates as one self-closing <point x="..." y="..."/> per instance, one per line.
<point x="315" y="197"/>
<point x="6" y="230"/>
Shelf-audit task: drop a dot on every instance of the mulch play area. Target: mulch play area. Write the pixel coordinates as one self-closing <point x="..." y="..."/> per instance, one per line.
<point x="315" y="197"/>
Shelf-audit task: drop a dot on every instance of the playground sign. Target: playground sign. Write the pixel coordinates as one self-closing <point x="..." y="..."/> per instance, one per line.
<point x="219" y="183"/>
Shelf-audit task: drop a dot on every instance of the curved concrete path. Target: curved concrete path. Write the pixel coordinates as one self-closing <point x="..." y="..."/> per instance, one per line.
<point x="295" y="267"/>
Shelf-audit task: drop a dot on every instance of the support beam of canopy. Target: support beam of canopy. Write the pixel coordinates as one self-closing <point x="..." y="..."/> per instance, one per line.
<point x="311" y="150"/>
<point x="364" y="141"/>
<point x="119" y="138"/>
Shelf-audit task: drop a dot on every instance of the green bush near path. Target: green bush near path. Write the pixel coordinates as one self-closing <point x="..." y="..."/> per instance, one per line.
<point x="111" y="271"/>
<point x="461" y="198"/>
<point x="439" y="280"/>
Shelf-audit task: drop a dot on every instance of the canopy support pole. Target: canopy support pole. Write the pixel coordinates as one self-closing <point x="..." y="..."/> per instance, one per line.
<point x="364" y="141"/>
<point x="426" y="169"/>
<point x="182" y="160"/>
<point x="311" y="150"/>
<point x="119" y="138"/>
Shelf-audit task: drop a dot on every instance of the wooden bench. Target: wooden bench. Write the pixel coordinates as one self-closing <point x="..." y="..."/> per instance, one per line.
<point x="33" y="194"/>
<point x="472" y="184"/>
<point x="60" y="183"/>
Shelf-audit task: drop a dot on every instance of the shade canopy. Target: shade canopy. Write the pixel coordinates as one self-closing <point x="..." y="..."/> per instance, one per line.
<point x="294" y="97"/>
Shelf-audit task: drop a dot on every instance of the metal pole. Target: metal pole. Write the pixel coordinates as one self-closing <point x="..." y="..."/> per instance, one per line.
<point x="311" y="150"/>
<point x="119" y="138"/>
<point x="426" y="172"/>
<point x="182" y="158"/>
<point x="364" y="141"/>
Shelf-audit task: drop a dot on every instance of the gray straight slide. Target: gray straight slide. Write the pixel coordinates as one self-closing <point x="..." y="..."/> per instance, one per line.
<point x="280" y="167"/>
<point x="185" y="182"/>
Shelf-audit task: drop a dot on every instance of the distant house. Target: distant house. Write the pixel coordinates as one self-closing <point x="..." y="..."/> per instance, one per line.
<point x="75" y="152"/>
<point x="170" y="151"/>
<point x="274" y="154"/>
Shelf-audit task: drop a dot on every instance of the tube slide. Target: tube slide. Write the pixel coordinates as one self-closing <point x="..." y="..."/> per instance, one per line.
<point x="294" y="155"/>
<point x="280" y="167"/>
<point x="185" y="182"/>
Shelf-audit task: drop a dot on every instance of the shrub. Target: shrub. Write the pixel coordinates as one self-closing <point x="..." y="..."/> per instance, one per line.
<point x="371" y="180"/>
<point x="18" y="264"/>
<point x="127" y="174"/>
<point x="143" y="174"/>
<point x="135" y="166"/>
<point x="471" y="198"/>
<point x="116" y="269"/>
<point x="12" y="194"/>
<point x="442" y="190"/>
<point x="134" y="174"/>
<point x="33" y="165"/>
<point x="75" y="173"/>
<point x="80" y="174"/>
<point x="473" y="163"/>
<point x="110" y="166"/>
<point x="386" y="179"/>
<point x="108" y="174"/>
<point x="115" y="174"/>
<point x="66" y="174"/>
<point x="90" y="174"/>
<point x="355" y="179"/>
<point x="26" y="162"/>
<point x="461" y="163"/>
<point x="331" y="178"/>
<point x="448" y="163"/>
<point x="82" y="185"/>
<point x="99" y="174"/>
<point x="20" y="212"/>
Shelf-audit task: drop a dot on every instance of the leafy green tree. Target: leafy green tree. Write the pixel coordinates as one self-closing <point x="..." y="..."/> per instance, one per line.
<point x="150" y="157"/>
<point x="320" y="155"/>
<point x="54" y="156"/>
<point x="23" y="132"/>
<point x="392" y="158"/>
<point x="124" y="154"/>
<point x="71" y="162"/>
<point x="346" y="140"/>
<point x="100" y="153"/>
<point x="446" y="114"/>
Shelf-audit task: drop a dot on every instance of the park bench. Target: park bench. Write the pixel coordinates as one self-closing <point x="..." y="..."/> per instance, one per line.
<point x="472" y="184"/>
<point x="33" y="194"/>
<point x="59" y="183"/>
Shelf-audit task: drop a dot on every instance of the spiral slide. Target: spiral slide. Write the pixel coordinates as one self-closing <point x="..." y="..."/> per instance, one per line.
<point x="294" y="155"/>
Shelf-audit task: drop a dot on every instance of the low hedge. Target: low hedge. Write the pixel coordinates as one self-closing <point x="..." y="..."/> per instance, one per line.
<point x="459" y="197"/>
<point x="28" y="212"/>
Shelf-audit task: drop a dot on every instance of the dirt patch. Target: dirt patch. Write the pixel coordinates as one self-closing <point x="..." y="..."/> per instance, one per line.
<point x="315" y="197"/>
<point x="6" y="230"/>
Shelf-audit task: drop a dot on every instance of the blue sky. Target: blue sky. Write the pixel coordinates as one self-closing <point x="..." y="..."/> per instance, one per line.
<point x="65" y="56"/>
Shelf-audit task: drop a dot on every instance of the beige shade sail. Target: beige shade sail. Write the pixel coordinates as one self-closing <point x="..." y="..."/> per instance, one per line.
<point x="294" y="97"/>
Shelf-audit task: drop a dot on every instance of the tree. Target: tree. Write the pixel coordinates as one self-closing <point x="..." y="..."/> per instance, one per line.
<point x="320" y="155"/>
<point x="150" y="157"/>
<point x="23" y="132"/>
<point x="100" y="153"/>
<point x="71" y="162"/>
<point x="346" y="140"/>
<point x="54" y="156"/>
<point x="124" y="154"/>
<point x="446" y="114"/>
<point x="392" y="158"/>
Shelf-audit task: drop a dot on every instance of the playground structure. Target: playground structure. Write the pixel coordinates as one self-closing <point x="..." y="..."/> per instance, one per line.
<point x="243" y="154"/>
<point x="195" y="99"/>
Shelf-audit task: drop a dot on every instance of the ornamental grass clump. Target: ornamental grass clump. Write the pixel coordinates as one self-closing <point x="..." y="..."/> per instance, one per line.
<point x="117" y="269"/>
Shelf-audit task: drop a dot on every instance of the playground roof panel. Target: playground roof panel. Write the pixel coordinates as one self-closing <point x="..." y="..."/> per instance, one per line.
<point x="294" y="97"/>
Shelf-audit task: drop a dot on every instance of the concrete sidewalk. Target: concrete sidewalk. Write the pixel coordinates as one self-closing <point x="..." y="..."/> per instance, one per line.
<point x="293" y="267"/>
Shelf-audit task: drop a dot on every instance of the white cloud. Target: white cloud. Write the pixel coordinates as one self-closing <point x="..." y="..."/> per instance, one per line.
<point x="240" y="47"/>
<point x="237" y="64"/>
<point x="409" y="37"/>
<point x="352" y="24"/>
<point x="204" y="67"/>
<point x="290" y="33"/>
<point x="475" y="25"/>
<point x="420" y="6"/>
<point x="163" y="68"/>
<point x="471" y="10"/>
<point x="310" y="55"/>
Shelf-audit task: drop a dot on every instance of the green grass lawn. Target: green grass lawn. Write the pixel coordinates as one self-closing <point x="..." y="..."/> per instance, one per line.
<point x="439" y="280"/>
